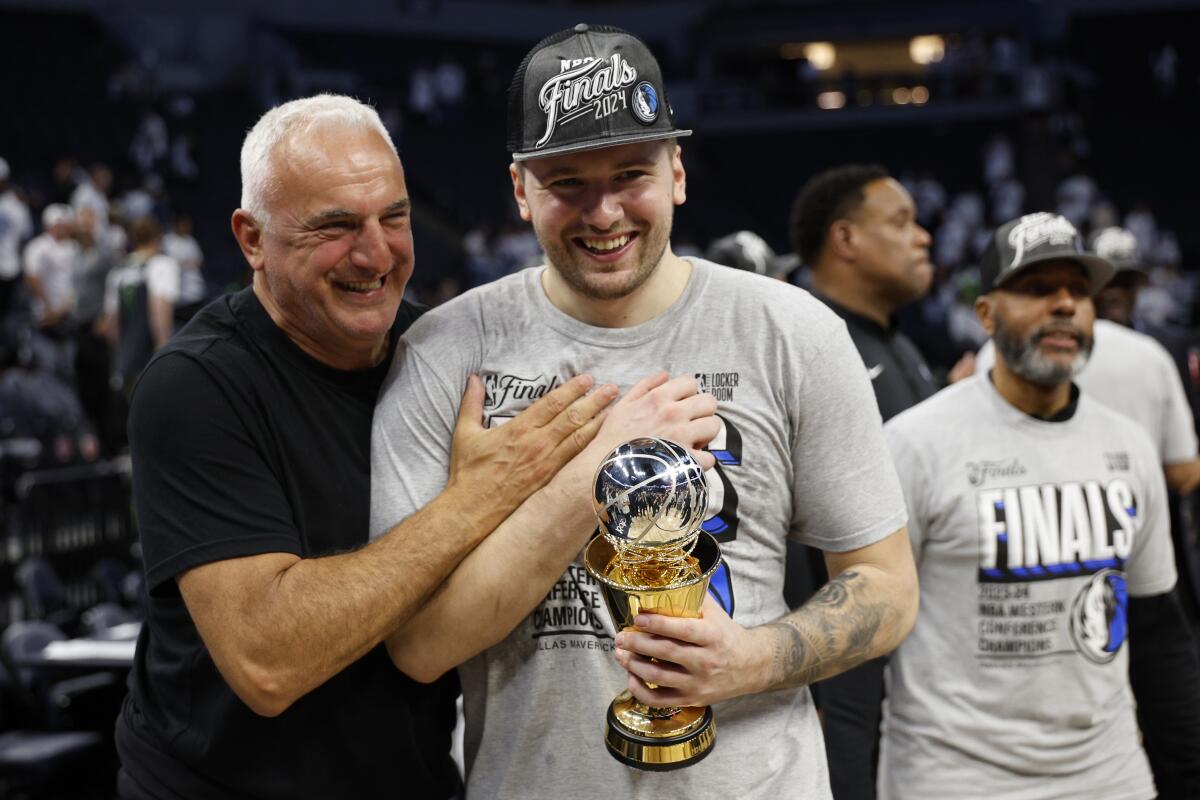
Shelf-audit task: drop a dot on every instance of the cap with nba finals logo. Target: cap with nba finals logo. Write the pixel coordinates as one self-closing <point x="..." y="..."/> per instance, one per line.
<point x="584" y="88"/>
<point x="1119" y="246"/>
<point x="1034" y="239"/>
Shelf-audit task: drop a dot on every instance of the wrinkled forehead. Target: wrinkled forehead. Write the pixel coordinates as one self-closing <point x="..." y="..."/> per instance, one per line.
<point x="332" y="146"/>
<point x="326" y="159"/>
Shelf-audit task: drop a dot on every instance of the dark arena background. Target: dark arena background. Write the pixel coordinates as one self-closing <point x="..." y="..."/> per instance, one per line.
<point x="136" y="109"/>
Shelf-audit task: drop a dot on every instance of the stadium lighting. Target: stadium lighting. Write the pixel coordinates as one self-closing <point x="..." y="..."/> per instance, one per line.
<point x="920" y="95"/>
<point x="926" y="50"/>
<point x="831" y="100"/>
<point x="820" y="54"/>
<point x="901" y="96"/>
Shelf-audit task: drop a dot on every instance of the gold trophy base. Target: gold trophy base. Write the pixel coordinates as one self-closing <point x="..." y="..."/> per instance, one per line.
<point x="658" y="739"/>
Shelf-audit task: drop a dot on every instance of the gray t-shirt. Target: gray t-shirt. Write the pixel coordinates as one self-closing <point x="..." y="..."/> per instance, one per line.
<point x="1132" y="373"/>
<point x="1029" y="538"/>
<point x="801" y="454"/>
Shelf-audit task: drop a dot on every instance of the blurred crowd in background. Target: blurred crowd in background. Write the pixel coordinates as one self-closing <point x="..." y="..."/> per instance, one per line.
<point x="119" y="172"/>
<point x="93" y="279"/>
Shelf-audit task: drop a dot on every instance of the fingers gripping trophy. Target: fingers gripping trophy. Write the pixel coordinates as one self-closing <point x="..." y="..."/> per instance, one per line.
<point x="650" y="497"/>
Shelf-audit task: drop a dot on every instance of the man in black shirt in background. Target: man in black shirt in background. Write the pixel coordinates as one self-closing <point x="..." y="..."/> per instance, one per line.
<point x="259" y="671"/>
<point x="855" y="227"/>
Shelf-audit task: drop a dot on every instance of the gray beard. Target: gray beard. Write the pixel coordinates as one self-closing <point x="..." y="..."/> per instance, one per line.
<point x="1026" y="361"/>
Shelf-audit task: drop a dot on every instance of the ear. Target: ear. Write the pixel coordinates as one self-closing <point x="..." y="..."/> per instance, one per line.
<point x="518" y="179"/>
<point x="679" y="184"/>
<point x="985" y="312"/>
<point x="840" y="241"/>
<point x="249" y="237"/>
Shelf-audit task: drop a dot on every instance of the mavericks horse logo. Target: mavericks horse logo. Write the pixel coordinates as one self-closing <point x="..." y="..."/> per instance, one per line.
<point x="1100" y="616"/>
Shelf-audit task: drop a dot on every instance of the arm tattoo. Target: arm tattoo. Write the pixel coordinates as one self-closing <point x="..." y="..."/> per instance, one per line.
<point x="831" y="633"/>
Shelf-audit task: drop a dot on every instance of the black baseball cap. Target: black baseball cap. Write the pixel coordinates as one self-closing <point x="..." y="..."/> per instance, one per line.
<point x="1119" y="247"/>
<point x="1034" y="239"/>
<point x="587" y="87"/>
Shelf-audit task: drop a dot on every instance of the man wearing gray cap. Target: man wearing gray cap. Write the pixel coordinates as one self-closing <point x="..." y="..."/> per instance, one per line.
<point x="746" y="250"/>
<point x="1041" y="536"/>
<point x="598" y="172"/>
<point x="1130" y="371"/>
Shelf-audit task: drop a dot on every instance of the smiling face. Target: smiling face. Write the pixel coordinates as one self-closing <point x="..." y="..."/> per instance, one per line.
<point x="332" y="261"/>
<point x="603" y="217"/>
<point x="1041" y="322"/>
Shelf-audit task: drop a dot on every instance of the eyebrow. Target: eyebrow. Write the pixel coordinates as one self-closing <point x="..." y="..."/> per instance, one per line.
<point x="342" y="213"/>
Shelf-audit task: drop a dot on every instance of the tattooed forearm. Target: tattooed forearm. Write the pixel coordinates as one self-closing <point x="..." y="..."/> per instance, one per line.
<point x="835" y="630"/>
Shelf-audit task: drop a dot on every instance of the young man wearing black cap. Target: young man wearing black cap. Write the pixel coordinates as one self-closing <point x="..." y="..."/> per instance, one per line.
<point x="800" y="451"/>
<point x="1039" y="524"/>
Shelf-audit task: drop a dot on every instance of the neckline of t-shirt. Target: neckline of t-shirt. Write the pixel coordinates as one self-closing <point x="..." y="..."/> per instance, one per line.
<point x="1016" y="416"/>
<point x="251" y="313"/>
<point x="632" y="336"/>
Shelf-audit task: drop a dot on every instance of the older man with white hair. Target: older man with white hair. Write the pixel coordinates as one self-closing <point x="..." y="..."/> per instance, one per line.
<point x="260" y="670"/>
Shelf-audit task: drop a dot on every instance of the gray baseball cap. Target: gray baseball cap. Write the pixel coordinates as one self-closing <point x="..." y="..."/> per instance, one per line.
<point x="584" y="88"/>
<point x="1119" y="247"/>
<point x="1034" y="239"/>
<point x="747" y="251"/>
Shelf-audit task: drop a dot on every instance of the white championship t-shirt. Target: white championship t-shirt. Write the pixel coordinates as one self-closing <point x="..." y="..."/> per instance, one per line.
<point x="1030" y="536"/>
<point x="801" y="455"/>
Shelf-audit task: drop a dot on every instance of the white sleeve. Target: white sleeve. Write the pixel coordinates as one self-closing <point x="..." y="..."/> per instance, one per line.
<point x="162" y="278"/>
<point x="845" y="494"/>
<point x="1151" y="566"/>
<point x="1179" y="430"/>
<point x="412" y="432"/>
<point x="914" y="478"/>
<point x="35" y="260"/>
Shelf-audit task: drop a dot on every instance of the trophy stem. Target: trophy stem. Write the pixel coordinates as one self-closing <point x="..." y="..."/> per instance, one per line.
<point x="639" y="735"/>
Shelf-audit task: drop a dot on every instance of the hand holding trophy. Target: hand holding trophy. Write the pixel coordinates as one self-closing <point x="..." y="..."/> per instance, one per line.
<point x="650" y="497"/>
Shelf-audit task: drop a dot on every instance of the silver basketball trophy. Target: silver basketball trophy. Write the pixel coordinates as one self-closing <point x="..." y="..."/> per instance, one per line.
<point x="650" y="496"/>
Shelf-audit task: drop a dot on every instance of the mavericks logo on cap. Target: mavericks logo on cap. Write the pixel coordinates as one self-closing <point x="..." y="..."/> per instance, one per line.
<point x="645" y="103"/>
<point x="1035" y="230"/>
<point x="586" y="86"/>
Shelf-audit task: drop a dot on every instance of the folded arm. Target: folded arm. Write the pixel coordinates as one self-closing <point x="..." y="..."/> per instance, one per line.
<point x="505" y="578"/>
<point x="278" y="625"/>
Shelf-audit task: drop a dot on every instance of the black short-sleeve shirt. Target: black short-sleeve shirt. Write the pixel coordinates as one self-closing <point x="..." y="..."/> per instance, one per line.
<point x="242" y="444"/>
<point x="898" y="372"/>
